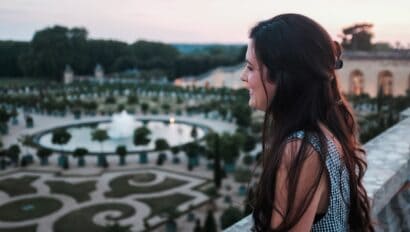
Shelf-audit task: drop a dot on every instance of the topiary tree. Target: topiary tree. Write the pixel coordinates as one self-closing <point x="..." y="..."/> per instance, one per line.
<point x="121" y="151"/>
<point x="191" y="150"/>
<point x="194" y="132"/>
<point x="175" y="151"/>
<point x="3" y="154"/>
<point x="144" y="107"/>
<point x="100" y="135"/>
<point x="197" y="227"/>
<point x="61" y="137"/>
<point x="141" y="136"/>
<point x="4" y="119"/>
<point x="249" y="143"/>
<point x="247" y="160"/>
<point x="213" y="149"/>
<point x="210" y="224"/>
<point x="79" y="153"/>
<point x="14" y="115"/>
<point x="161" y="144"/>
<point x="29" y="121"/>
<point x="132" y="99"/>
<point x="230" y="216"/>
<point x="26" y="141"/>
<point x="13" y="153"/>
<point x="161" y="158"/>
<point x="229" y="150"/>
<point x="248" y="202"/>
<point x="43" y="154"/>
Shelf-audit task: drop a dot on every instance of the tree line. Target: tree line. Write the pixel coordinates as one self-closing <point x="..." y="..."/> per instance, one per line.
<point x="52" y="48"/>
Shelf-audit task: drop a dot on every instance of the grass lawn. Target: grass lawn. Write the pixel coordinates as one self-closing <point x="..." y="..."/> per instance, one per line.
<point x="32" y="228"/>
<point x="79" y="191"/>
<point x="18" y="186"/>
<point x="165" y="204"/>
<point x="208" y="188"/>
<point x="81" y="219"/>
<point x="243" y="175"/>
<point x="27" y="209"/>
<point x="121" y="188"/>
<point x="143" y="177"/>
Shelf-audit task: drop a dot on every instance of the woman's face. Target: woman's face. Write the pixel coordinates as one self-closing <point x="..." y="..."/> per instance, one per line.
<point x="254" y="76"/>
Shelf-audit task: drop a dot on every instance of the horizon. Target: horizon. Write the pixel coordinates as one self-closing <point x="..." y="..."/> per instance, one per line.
<point x="184" y="24"/>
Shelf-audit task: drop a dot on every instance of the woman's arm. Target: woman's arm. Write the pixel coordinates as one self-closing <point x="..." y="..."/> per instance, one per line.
<point x="309" y="171"/>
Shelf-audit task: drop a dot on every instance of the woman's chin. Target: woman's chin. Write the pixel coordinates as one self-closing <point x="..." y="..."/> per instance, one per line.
<point x="252" y="104"/>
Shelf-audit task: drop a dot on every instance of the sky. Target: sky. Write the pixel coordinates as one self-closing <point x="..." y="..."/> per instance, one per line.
<point x="197" y="21"/>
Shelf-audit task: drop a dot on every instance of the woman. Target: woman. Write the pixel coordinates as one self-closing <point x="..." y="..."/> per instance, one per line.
<point x="312" y="163"/>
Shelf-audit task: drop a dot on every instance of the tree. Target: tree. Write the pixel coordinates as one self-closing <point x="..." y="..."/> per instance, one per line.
<point x="248" y="202"/>
<point x="194" y="132"/>
<point x="242" y="113"/>
<point x="26" y="141"/>
<point x="144" y="107"/>
<point x="210" y="224"/>
<point x="161" y="158"/>
<point x="132" y="99"/>
<point x="13" y="153"/>
<point x="141" y="136"/>
<point x="249" y="143"/>
<point x="9" y="61"/>
<point x="61" y="136"/>
<point x="14" y="114"/>
<point x="358" y="37"/>
<point x="229" y="147"/>
<point x="213" y="148"/>
<point x="247" y="160"/>
<point x="161" y="144"/>
<point x="80" y="153"/>
<point x="197" y="227"/>
<point x="3" y="154"/>
<point x="100" y="135"/>
<point x="29" y="121"/>
<point x="51" y="49"/>
<point x="4" y="118"/>
<point x="230" y="216"/>
<point x="121" y="152"/>
<point x="43" y="154"/>
<point x="191" y="150"/>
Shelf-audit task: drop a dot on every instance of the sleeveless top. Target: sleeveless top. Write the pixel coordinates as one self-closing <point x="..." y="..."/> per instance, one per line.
<point x="336" y="216"/>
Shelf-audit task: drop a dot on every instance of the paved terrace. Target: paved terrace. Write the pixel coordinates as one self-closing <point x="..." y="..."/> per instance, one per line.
<point x="386" y="180"/>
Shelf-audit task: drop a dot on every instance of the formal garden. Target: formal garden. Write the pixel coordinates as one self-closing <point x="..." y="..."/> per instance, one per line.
<point x="111" y="156"/>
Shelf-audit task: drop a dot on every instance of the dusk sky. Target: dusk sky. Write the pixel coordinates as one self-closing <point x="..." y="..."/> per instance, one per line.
<point x="196" y="21"/>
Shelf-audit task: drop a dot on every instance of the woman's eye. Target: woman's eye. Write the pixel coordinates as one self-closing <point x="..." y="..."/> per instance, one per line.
<point x="249" y="67"/>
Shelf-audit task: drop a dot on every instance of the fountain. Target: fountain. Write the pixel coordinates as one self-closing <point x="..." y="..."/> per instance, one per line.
<point x="120" y="130"/>
<point x="122" y="126"/>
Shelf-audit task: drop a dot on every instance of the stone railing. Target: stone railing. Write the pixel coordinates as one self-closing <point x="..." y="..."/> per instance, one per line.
<point x="386" y="180"/>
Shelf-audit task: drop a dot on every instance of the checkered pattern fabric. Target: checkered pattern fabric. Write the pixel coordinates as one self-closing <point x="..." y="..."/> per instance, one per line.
<point x="336" y="217"/>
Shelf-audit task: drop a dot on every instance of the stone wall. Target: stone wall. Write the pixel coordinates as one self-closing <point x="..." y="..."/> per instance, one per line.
<point x="371" y="69"/>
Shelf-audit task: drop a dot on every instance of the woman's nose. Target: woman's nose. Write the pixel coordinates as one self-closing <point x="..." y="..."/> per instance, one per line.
<point x="243" y="76"/>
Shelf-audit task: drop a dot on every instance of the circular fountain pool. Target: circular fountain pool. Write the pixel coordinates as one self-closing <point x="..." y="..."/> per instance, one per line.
<point x="120" y="130"/>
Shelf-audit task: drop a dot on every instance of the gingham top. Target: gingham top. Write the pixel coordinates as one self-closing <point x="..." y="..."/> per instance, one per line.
<point x="336" y="216"/>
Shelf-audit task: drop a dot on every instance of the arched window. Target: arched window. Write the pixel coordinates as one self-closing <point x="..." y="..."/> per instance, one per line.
<point x="385" y="83"/>
<point x="408" y="84"/>
<point x="356" y="82"/>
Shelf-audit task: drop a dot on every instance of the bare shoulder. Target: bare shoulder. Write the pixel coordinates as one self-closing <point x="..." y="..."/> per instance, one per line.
<point x="292" y="153"/>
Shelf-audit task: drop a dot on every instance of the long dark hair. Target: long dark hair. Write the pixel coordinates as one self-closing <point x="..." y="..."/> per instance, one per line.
<point x="300" y="58"/>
